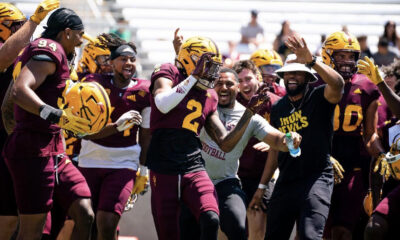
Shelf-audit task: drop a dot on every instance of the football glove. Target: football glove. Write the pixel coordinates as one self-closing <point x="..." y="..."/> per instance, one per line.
<point x="128" y="119"/>
<point x="337" y="170"/>
<point x="142" y="180"/>
<point x="369" y="69"/>
<point x="75" y="124"/>
<point x="384" y="166"/>
<point x="257" y="101"/>
<point x="206" y="68"/>
<point x="43" y="9"/>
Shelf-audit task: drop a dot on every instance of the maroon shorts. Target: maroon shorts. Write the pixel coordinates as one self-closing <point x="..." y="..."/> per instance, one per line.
<point x="390" y="206"/>
<point x="37" y="181"/>
<point x="110" y="188"/>
<point x="8" y="205"/>
<point x="347" y="201"/>
<point x="195" y="189"/>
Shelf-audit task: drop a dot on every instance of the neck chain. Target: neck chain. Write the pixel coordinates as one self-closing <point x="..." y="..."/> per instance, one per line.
<point x="301" y="103"/>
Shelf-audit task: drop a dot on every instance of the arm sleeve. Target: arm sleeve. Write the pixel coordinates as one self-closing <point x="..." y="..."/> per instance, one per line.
<point x="167" y="100"/>
<point x="145" y="117"/>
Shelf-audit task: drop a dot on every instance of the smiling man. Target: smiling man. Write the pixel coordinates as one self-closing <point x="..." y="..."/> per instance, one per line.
<point x="304" y="187"/>
<point x="355" y="132"/>
<point x="222" y="166"/>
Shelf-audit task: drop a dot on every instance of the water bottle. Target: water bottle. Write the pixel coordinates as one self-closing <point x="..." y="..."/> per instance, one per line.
<point x="294" y="152"/>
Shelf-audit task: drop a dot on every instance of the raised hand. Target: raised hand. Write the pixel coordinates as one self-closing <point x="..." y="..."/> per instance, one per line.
<point x="43" y="9"/>
<point x="206" y="68"/>
<point x="369" y="69"/>
<point x="299" y="47"/>
<point x="177" y="42"/>
<point x="256" y="102"/>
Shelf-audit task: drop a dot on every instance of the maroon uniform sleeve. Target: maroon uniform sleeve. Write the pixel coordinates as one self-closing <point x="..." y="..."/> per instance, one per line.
<point x="166" y="70"/>
<point x="50" y="90"/>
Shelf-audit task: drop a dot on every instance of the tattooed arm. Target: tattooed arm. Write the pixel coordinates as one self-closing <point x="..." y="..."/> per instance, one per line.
<point x="7" y="110"/>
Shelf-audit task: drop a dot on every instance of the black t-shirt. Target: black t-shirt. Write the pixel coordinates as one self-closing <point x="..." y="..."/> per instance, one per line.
<point x="312" y="118"/>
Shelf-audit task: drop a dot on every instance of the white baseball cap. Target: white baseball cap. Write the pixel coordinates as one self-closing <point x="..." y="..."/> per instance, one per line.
<point x="294" y="67"/>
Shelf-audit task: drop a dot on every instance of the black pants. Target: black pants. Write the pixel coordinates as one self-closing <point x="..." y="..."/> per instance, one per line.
<point x="306" y="201"/>
<point x="232" y="217"/>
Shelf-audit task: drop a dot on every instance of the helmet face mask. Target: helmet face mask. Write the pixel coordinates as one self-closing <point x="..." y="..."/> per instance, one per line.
<point x="341" y="42"/>
<point x="346" y="68"/>
<point x="88" y="100"/>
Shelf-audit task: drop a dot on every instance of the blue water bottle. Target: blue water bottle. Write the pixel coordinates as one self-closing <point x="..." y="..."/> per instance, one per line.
<point x="294" y="152"/>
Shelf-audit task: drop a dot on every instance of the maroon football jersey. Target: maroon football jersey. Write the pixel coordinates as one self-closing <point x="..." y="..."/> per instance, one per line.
<point x="252" y="162"/>
<point x="191" y="112"/>
<point x="278" y="89"/>
<point x="136" y="98"/>
<point x="384" y="113"/>
<point x="5" y="79"/>
<point x="350" y="112"/>
<point x="348" y="145"/>
<point x="50" y="90"/>
<point x="385" y="121"/>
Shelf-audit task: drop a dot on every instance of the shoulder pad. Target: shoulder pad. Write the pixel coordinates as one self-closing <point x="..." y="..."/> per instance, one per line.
<point x="42" y="57"/>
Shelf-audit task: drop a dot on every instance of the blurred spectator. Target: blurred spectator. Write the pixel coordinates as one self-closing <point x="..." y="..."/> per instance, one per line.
<point x="279" y="43"/>
<point x="228" y="59"/>
<point x="391" y="35"/>
<point x="384" y="56"/>
<point x="318" y="50"/>
<point x="364" y="47"/>
<point x="120" y="31"/>
<point x="250" y="33"/>
<point x="345" y="29"/>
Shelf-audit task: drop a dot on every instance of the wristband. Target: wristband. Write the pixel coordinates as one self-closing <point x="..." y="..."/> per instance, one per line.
<point x="143" y="170"/>
<point x="262" y="186"/>
<point x="312" y="63"/>
<point x="49" y="113"/>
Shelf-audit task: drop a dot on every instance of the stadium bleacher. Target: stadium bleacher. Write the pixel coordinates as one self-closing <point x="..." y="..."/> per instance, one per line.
<point x="154" y="21"/>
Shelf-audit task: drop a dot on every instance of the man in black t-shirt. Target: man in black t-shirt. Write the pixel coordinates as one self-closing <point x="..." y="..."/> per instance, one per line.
<point x="304" y="187"/>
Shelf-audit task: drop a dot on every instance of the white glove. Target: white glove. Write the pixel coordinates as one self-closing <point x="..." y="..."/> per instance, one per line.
<point x="127" y="120"/>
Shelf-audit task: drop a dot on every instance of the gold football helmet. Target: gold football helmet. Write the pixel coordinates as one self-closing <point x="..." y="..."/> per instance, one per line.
<point x="11" y="19"/>
<point x="266" y="57"/>
<point x="393" y="159"/>
<point x="88" y="100"/>
<point x="191" y="51"/>
<point x="341" y="41"/>
<point x="95" y="54"/>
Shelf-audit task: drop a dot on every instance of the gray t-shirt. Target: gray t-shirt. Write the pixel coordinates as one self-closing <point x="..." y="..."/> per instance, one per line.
<point x="219" y="164"/>
<point x="250" y="31"/>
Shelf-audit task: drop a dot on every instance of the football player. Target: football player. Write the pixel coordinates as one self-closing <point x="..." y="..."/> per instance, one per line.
<point x="267" y="62"/>
<point x="43" y="170"/>
<point x="110" y="159"/>
<point x="95" y="59"/>
<point x="181" y="104"/>
<point x="222" y="166"/>
<point x="15" y="32"/>
<point x="354" y="123"/>
<point x="384" y="222"/>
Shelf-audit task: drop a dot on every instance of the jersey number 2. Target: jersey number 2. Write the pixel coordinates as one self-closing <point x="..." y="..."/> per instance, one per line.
<point x="188" y="122"/>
